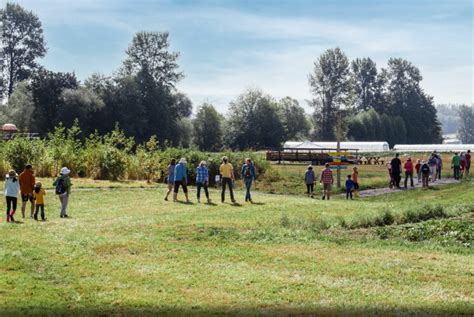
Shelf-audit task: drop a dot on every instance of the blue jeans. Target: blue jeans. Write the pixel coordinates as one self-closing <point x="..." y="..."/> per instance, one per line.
<point x="206" y="191"/>
<point x="248" y="186"/>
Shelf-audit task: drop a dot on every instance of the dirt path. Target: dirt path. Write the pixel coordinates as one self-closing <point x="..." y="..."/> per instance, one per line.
<point x="383" y="191"/>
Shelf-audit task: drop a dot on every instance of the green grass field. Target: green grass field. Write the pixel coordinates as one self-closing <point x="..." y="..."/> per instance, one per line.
<point x="126" y="252"/>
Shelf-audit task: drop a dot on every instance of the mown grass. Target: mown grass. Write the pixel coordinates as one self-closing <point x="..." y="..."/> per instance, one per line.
<point x="126" y="252"/>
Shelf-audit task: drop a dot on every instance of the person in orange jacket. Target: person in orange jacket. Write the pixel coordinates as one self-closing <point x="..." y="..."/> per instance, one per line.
<point x="27" y="186"/>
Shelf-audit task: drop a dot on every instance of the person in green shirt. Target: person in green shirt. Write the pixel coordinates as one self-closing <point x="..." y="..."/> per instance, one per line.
<point x="456" y="165"/>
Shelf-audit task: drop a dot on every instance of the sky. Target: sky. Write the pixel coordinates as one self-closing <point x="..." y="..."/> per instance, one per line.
<point x="227" y="46"/>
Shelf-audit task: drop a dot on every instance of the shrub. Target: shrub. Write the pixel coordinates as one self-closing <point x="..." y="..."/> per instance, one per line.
<point x="21" y="151"/>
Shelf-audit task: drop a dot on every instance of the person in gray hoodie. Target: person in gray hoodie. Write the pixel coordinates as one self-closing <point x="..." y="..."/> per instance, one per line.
<point x="309" y="179"/>
<point x="12" y="188"/>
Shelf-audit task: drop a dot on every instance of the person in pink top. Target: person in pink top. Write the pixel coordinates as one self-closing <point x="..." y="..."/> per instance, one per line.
<point x="408" y="172"/>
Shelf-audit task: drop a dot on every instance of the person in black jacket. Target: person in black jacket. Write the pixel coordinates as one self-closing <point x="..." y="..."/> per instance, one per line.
<point x="396" y="170"/>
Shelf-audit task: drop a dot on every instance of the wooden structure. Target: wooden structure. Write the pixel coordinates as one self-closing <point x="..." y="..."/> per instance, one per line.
<point x="9" y="131"/>
<point x="318" y="156"/>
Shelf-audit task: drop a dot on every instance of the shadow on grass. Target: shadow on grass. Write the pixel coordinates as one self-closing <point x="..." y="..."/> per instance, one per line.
<point x="184" y="202"/>
<point x="232" y="311"/>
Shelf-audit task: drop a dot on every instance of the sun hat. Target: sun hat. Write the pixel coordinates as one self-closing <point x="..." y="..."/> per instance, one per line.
<point x="38" y="184"/>
<point x="65" y="171"/>
<point x="203" y="163"/>
<point x="409" y="158"/>
<point x="182" y="161"/>
<point x="12" y="173"/>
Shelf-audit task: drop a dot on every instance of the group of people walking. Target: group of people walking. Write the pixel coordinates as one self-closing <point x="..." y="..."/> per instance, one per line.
<point x="178" y="177"/>
<point x="326" y="179"/>
<point x="427" y="170"/>
<point x="30" y="190"/>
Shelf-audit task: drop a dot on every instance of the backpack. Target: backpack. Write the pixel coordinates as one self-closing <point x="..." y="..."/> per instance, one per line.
<point x="425" y="169"/>
<point x="247" y="172"/>
<point x="60" y="187"/>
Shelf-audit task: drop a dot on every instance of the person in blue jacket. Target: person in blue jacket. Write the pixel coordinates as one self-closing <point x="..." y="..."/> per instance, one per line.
<point x="180" y="179"/>
<point x="249" y="176"/>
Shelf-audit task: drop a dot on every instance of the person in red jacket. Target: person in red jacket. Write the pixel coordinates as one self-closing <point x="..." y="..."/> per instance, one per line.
<point x="408" y="172"/>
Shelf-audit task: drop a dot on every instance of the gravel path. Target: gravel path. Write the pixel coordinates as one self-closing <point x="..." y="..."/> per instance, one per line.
<point x="383" y="191"/>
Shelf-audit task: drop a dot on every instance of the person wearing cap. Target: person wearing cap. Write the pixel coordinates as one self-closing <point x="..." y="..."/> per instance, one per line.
<point x="408" y="166"/>
<point x="309" y="180"/>
<point x="39" y="193"/>
<point x="63" y="190"/>
<point x="327" y="180"/>
<point x="181" y="179"/>
<point x="202" y="181"/>
<point x="11" y="190"/>
<point x="27" y="185"/>
<point x="249" y="176"/>
<point x="227" y="175"/>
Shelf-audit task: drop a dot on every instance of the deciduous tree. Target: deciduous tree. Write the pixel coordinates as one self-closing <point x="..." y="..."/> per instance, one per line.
<point x="22" y="43"/>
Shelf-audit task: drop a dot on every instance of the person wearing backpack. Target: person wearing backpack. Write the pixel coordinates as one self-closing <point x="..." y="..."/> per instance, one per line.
<point x="12" y="188"/>
<point x="63" y="190"/>
<point x="249" y="176"/>
<point x="425" y="173"/>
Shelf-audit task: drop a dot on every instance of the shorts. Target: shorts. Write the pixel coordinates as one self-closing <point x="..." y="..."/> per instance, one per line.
<point x="183" y="184"/>
<point x="327" y="187"/>
<point x="356" y="186"/>
<point x="27" y="197"/>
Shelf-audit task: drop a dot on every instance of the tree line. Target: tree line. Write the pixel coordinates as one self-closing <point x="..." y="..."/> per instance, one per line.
<point x="142" y="99"/>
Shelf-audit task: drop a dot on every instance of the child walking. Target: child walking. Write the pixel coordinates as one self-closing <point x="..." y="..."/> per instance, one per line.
<point x="12" y="188"/>
<point x="39" y="193"/>
<point x="309" y="180"/>
<point x="63" y="190"/>
<point x="349" y="187"/>
<point x="418" y="170"/>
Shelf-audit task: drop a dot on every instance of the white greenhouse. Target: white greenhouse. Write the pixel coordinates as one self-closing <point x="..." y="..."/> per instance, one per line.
<point x="360" y="146"/>
<point x="433" y="147"/>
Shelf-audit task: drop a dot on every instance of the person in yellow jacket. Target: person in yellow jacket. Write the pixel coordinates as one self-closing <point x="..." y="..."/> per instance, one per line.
<point x="227" y="174"/>
<point x="38" y="194"/>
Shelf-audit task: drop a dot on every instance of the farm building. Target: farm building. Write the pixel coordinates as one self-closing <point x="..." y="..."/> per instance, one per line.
<point x="360" y="146"/>
<point x="433" y="147"/>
